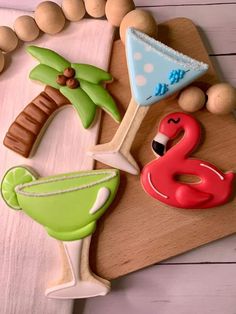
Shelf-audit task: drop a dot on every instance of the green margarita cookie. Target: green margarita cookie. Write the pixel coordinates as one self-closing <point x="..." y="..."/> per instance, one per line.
<point x="67" y="205"/>
<point x="14" y="177"/>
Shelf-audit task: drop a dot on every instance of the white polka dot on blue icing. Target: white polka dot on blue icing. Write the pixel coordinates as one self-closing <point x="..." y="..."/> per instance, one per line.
<point x="148" y="68"/>
<point x="140" y="80"/>
<point x="138" y="56"/>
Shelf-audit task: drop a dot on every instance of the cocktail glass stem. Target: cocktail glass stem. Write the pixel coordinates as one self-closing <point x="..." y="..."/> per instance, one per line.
<point x="117" y="152"/>
<point x="83" y="283"/>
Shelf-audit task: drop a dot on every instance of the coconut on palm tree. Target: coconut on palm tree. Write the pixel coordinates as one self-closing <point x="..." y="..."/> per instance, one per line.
<point x="80" y="85"/>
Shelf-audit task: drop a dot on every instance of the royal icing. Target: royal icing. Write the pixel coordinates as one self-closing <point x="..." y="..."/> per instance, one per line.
<point x="158" y="178"/>
<point x="77" y="287"/>
<point x="83" y="88"/>
<point x="157" y="71"/>
<point x="102" y="197"/>
<point x="67" y="205"/>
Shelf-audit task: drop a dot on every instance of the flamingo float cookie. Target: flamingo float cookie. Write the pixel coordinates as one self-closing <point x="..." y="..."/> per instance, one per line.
<point x="68" y="206"/>
<point x="158" y="178"/>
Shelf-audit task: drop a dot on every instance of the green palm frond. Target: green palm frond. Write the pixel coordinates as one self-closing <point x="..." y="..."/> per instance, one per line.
<point x="45" y="75"/>
<point x="49" y="57"/>
<point x="101" y="98"/>
<point x="91" y="73"/>
<point x="83" y="104"/>
<point x="86" y="94"/>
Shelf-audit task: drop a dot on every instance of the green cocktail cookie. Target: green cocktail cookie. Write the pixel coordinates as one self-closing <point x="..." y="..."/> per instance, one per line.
<point x="67" y="205"/>
<point x="14" y="177"/>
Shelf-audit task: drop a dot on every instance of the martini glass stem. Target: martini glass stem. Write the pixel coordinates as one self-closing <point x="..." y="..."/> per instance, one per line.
<point x="130" y="125"/>
<point x="117" y="152"/>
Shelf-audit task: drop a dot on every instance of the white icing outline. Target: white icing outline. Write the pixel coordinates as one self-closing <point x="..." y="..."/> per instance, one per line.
<point x="102" y="197"/>
<point x="78" y="288"/>
<point x="110" y="174"/>
<point x="167" y="52"/>
<point x="213" y="170"/>
<point x="159" y="193"/>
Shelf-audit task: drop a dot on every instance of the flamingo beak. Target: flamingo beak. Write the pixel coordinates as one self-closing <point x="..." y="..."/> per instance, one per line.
<point x="159" y="144"/>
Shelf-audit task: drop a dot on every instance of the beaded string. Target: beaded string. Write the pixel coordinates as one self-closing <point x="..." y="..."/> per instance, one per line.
<point x="122" y="14"/>
<point x="26" y="28"/>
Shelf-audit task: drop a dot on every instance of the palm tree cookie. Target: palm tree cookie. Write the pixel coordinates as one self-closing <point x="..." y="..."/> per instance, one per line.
<point x="76" y="84"/>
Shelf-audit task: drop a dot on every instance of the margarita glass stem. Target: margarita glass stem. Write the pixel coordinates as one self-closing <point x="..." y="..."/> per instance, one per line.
<point x="83" y="283"/>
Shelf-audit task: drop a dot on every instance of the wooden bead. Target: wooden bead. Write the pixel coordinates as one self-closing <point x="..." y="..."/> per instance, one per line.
<point x="221" y="98"/>
<point x="8" y="39"/>
<point x="141" y="20"/>
<point x="49" y="17"/>
<point x="2" y="61"/>
<point x="192" y="99"/>
<point x="74" y="10"/>
<point x="95" y="8"/>
<point x="116" y="10"/>
<point x="26" y="28"/>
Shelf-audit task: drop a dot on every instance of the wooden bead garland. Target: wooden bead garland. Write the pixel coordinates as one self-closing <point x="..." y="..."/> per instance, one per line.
<point x="8" y="39"/>
<point x="74" y="10"/>
<point x="49" y="17"/>
<point x="116" y="10"/>
<point x="26" y="28"/>
<point x="221" y="98"/>
<point x="141" y="20"/>
<point x="192" y="99"/>
<point x="2" y="61"/>
<point x="95" y="8"/>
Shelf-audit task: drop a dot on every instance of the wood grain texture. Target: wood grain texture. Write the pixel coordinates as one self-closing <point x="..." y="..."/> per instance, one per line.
<point x="179" y="289"/>
<point x="157" y="3"/>
<point x="216" y="22"/>
<point x="216" y="252"/>
<point x="139" y="231"/>
<point x="218" y="35"/>
<point x="129" y="292"/>
<point x="226" y="66"/>
<point x="27" y="5"/>
<point x="29" y="258"/>
<point x="30" y="5"/>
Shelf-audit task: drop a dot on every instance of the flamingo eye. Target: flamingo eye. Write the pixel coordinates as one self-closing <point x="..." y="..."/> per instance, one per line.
<point x="175" y="121"/>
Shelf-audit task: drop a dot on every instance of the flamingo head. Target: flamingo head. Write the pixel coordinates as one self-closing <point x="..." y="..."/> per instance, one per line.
<point x="170" y="126"/>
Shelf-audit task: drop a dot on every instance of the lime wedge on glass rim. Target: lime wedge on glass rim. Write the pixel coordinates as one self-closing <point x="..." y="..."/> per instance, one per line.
<point x="14" y="177"/>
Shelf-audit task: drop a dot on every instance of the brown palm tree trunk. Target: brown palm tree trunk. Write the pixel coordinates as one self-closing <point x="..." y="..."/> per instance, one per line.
<point x="26" y="130"/>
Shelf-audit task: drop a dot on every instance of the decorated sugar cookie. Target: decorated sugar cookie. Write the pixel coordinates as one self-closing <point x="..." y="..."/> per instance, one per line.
<point x="156" y="71"/>
<point x="66" y="83"/>
<point x="68" y="206"/>
<point x="159" y="177"/>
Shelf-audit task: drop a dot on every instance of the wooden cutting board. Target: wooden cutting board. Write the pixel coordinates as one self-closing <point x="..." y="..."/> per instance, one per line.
<point x="137" y="230"/>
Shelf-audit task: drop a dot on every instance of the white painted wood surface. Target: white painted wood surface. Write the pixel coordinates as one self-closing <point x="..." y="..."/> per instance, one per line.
<point x="216" y="23"/>
<point x="29" y="258"/>
<point x="162" y="289"/>
<point x="157" y="3"/>
<point x="171" y="289"/>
